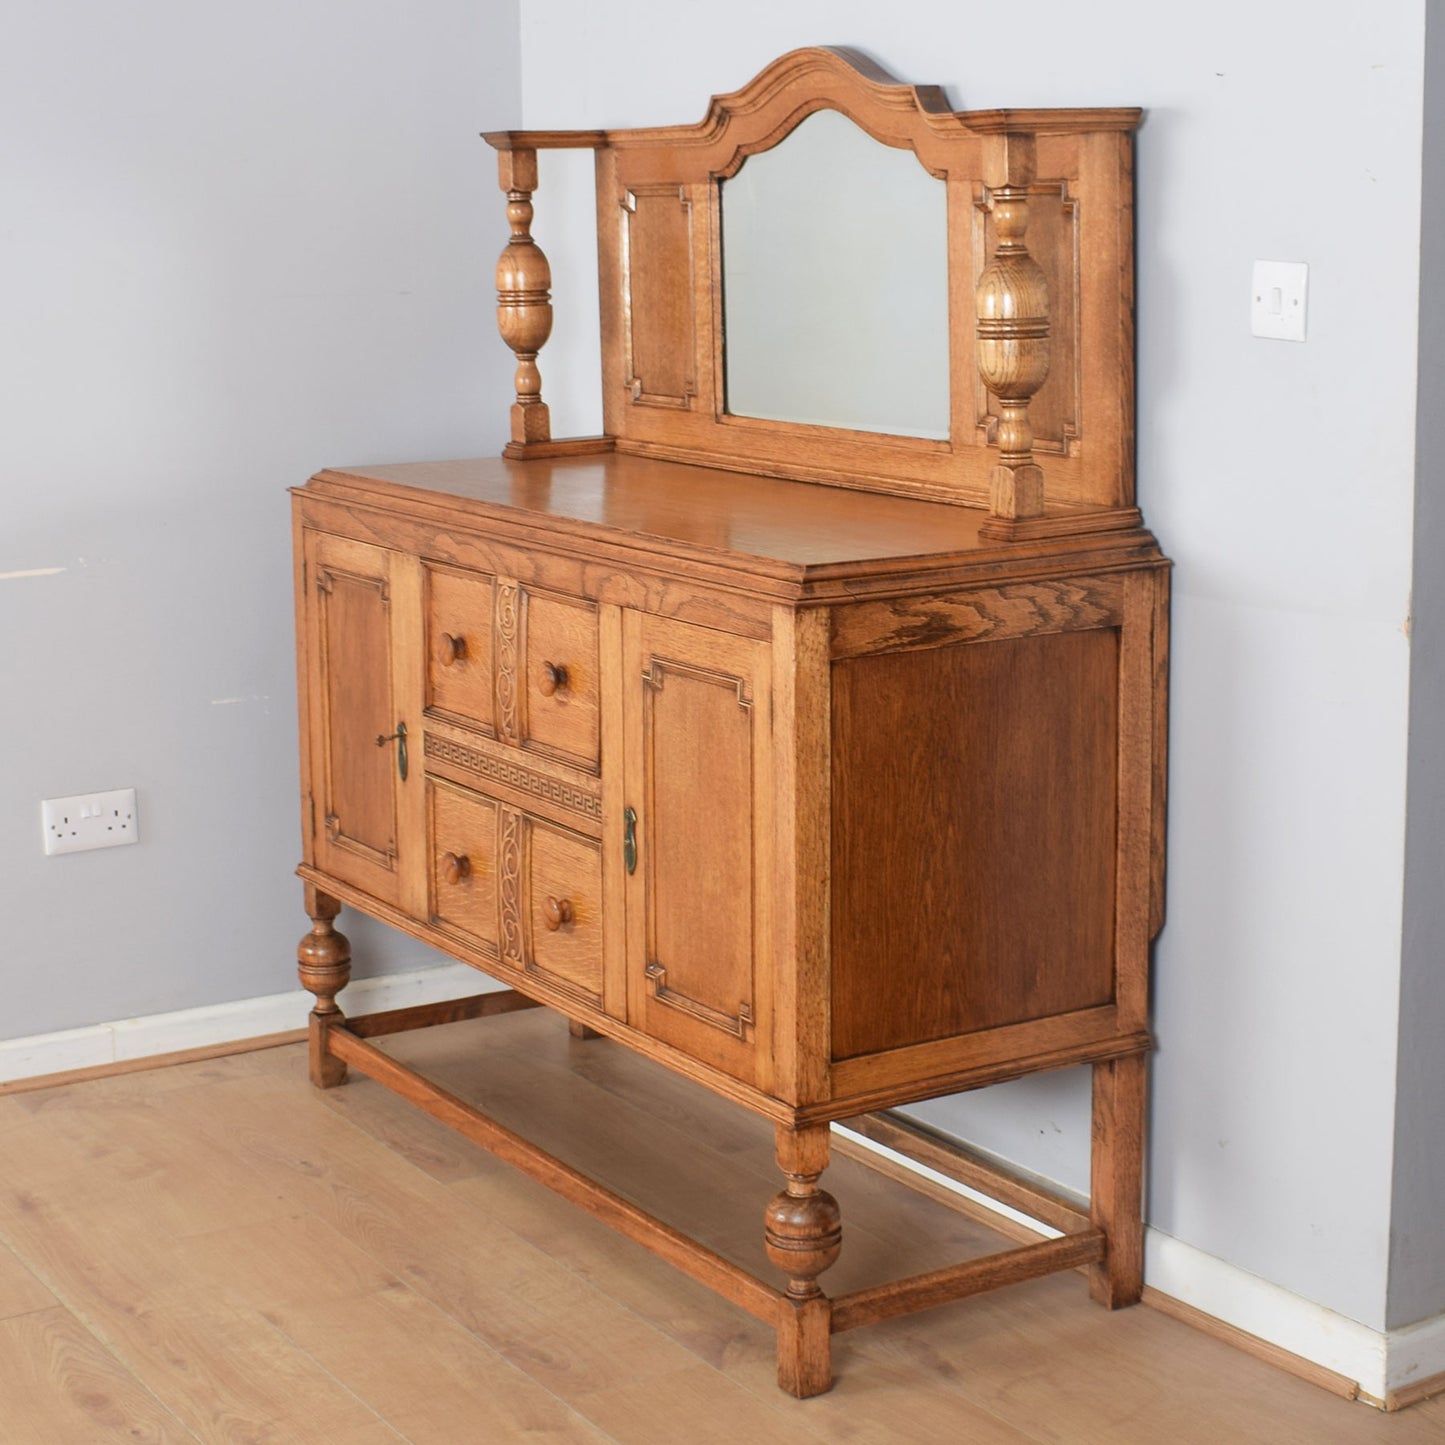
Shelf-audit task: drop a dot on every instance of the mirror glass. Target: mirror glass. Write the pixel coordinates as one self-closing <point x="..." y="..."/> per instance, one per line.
<point x="835" y="284"/>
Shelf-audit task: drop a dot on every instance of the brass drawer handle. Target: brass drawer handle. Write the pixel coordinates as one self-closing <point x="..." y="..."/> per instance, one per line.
<point x="554" y="678"/>
<point x="453" y="649"/>
<point x="629" y="839"/>
<point x="556" y="912"/>
<point x="454" y="869"/>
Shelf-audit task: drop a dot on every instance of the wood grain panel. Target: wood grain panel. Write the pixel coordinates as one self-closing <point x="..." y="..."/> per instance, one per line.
<point x="973" y="837"/>
<point x="1024" y="609"/>
<point x="660" y="330"/>
<point x="975" y="1060"/>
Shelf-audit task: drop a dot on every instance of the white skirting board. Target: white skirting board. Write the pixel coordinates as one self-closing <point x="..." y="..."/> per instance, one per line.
<point x="1382" y="1363"/>
<point x="224" y="1023"/>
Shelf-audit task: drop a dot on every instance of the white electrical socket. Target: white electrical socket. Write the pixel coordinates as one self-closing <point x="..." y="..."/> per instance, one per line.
<point x="89" y="820"/>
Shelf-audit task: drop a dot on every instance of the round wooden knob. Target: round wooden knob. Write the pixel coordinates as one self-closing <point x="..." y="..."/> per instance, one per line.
<point x="554" y="677"/>
<point x="557" y="911"/>
<point x="454" y="869"/>
<point x="453" y="649"/>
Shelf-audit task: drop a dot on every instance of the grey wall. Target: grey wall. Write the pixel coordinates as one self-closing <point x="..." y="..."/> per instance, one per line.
<point x="1417" y="1244"/>
<point x="240" y="242"/>
<point x="1281" y="479"/>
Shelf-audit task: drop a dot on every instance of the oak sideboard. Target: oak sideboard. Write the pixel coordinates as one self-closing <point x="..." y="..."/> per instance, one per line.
<point x="820" y="764"/>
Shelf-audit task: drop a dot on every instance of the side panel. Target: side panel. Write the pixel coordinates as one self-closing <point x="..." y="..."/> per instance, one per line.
<point x="974" y="837"/>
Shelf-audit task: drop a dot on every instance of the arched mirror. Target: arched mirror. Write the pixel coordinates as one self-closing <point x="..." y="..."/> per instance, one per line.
<point x="835" y="284"/>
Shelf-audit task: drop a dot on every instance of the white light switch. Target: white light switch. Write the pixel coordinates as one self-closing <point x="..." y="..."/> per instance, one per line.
<point x="1277" y="300"/>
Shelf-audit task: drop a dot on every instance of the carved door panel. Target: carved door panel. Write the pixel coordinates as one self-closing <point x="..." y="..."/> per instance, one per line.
<point x="698" y="786"/>
<point x="362" y="634"/>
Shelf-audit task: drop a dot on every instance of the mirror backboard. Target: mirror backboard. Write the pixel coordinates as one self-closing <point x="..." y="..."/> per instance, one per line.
<point x="989" y="331"/>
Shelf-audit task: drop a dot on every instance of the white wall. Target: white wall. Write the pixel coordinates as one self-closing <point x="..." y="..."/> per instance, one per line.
<point x="240" y="243"/>
<point x="1280" y="478"/>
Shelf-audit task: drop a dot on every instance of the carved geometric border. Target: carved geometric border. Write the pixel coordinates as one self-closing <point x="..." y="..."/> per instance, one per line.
<point x="514" y="775"/>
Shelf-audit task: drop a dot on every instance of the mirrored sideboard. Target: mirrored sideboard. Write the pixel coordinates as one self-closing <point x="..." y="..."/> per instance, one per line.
<point x="805" y="733"/>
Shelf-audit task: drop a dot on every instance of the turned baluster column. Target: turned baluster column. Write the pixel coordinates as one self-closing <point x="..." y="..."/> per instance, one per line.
<point x="803" y="1234"/>
<point x="524" y="300"/>
<point x="323" y="962"/>
<point x="1013" y="335"/>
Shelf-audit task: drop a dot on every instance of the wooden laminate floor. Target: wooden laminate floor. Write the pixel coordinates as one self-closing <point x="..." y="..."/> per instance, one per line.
<point x="215" y="1252"/>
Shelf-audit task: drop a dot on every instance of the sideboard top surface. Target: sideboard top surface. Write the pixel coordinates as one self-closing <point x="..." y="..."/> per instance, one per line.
<point x="763" y="523"/>
<point x="736" y="512"/>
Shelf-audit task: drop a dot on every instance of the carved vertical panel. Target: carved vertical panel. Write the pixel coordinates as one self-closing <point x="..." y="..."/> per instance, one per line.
<point x="1012" y="347"/>
<point x="660" y="329"/>
<point x="508" y="627"/>
<point x="1056" y="412"/>
<point x="509" y="873"/>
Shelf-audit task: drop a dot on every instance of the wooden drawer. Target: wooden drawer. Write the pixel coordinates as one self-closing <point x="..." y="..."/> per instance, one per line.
<point x="462" y="844"/>
<point x="561" y="906"/>
<point x="459" y="646"/>
<point x="560" y="695"/>
<point x="521" y="889"/>
<point x="514" y="663"/>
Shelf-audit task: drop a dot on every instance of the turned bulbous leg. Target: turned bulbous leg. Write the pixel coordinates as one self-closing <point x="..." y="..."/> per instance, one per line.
<point x="803" y="1234"/>
<point x="323" y="963"/>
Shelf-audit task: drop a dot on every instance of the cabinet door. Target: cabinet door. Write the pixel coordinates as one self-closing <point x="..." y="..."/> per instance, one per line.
<point x="698" y="779"/>
<point x="361" y="645"/>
